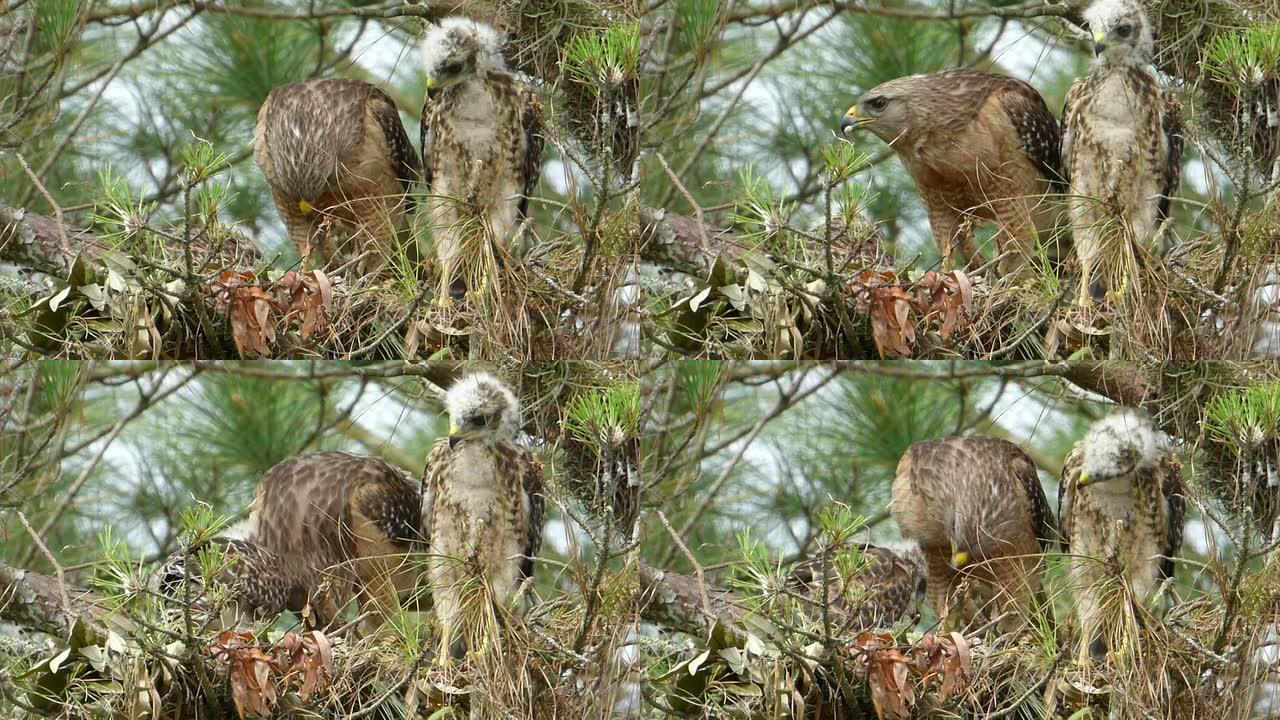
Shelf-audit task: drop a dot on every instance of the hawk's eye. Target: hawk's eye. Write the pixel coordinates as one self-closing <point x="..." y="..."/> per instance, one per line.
<point x="877" y="103"/>
<point x="1124" y="31"/>
<point x="452" y="68"/>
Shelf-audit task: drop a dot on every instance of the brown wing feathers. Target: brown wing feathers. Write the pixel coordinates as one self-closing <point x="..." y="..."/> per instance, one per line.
<point x="404" y="157"/>
<point x="1173" y="133"/>
<point x="532" y="121"/>
<point x="1177" y="506"/>
<point x="1041" y="519"/>
<point x="532" y="486"/>
<point x="1037" y="129"/>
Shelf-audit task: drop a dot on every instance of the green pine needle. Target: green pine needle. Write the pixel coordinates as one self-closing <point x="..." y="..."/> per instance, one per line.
<point x="605" y="59"/>
<point x="1245" y="60"/>
<point x="1242" y="420"/>
<point x="604" y="418"/>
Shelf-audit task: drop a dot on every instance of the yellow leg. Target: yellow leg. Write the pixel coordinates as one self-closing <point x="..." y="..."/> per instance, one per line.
<point x="443" y="298"/>
<point x="1085" y="297"/>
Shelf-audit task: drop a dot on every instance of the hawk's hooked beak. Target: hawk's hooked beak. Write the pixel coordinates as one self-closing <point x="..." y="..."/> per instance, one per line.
<point x="306" y="207"/>
<point x="455" y="435"/>
<point x="1084" y="479"/>
<point x="853" y="120"/>
<point x="431" y="82"/>
<point x="1099" y="43"/>
<point x="959" y="558"/>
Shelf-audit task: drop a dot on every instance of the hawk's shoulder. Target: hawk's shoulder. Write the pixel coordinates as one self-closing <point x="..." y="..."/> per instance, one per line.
<point x="386" y="116"/>
<point x="1037" y="129"/>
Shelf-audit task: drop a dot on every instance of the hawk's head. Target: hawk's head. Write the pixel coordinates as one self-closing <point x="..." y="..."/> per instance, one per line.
<point x="1118" y="445"/>
<point x="482" y="406"/>
<point x="887" y="110"/>
<point x="459" y="48"/>
<point x="1121" y="32"/>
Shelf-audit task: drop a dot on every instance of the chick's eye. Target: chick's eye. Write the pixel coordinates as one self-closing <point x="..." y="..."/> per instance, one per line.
<point x="452" y="68"/>
<point x="1124" y="31"/>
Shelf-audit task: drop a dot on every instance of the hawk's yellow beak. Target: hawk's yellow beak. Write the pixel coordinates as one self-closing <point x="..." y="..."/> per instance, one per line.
<point x="853" y="120"/>
<point x="455" y="434"/>
<point x="960" y="559"/>
<point x="1084" y="479"/>
<point x="431" y="82"/>
<point x="1099" y="43"/>
<point x="306" y="207"/>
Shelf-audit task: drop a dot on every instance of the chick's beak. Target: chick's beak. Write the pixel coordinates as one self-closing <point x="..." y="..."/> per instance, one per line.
<point x="1084" y="479"/>
<point x="1099" y="43"/>
<point x="431" y="82"/>
<point x="852" y="121"/>
<point x="960" y="558"/>
<point x="455" y="437"/>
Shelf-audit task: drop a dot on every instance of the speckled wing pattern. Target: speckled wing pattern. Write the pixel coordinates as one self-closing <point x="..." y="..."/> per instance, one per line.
<point x="888" y="585"/>
<point x="338" y="146"/>
<point x="254" y="575"/>
<point x="343" y="517"/>
<point x="404" y="157"/>
<point x="1176" y="506"/>
<point x="966" y="91"/>
<point x="307" y="505"/>
<point x="982" y="495"/>
<point x="999" y="462"/>
<point x="531" y="119"/>
<point x="1067" y="486"/>
<point x="1036" y="126"/>
<point x="531" y="481"/>
<point x="1171" y="121"/>
<point x="306" y="130"/>
<point x="427" y="132"/>
<point x="1024" y="470"/>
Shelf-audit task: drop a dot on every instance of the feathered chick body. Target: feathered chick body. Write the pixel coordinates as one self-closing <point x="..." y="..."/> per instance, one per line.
<point x="1121" y="148"/>
<point x="1121" y="506"/>
<point x="481" y="147"/>
<point x="482" y="506"/>
<point x="259" y="584"/>
<point x="883" y="586"/>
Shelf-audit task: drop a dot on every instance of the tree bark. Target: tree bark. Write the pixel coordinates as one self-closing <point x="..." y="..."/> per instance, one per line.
<point x="34" y="241"/>
<point x="34" y="600"/>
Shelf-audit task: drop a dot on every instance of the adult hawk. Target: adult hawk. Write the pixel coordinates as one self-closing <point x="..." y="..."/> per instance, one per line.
<point x="1121" y="506"/>
<point x="975" y="506"/>
<point x="342" y="523"/>
<point x="1121" y="148"/>
<point x="880" y="587"/>
<point x="482" y="508"/>
<point x="481" y="148"/>
<point x="336" y="150"/>
<point x="979" y="146"/>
